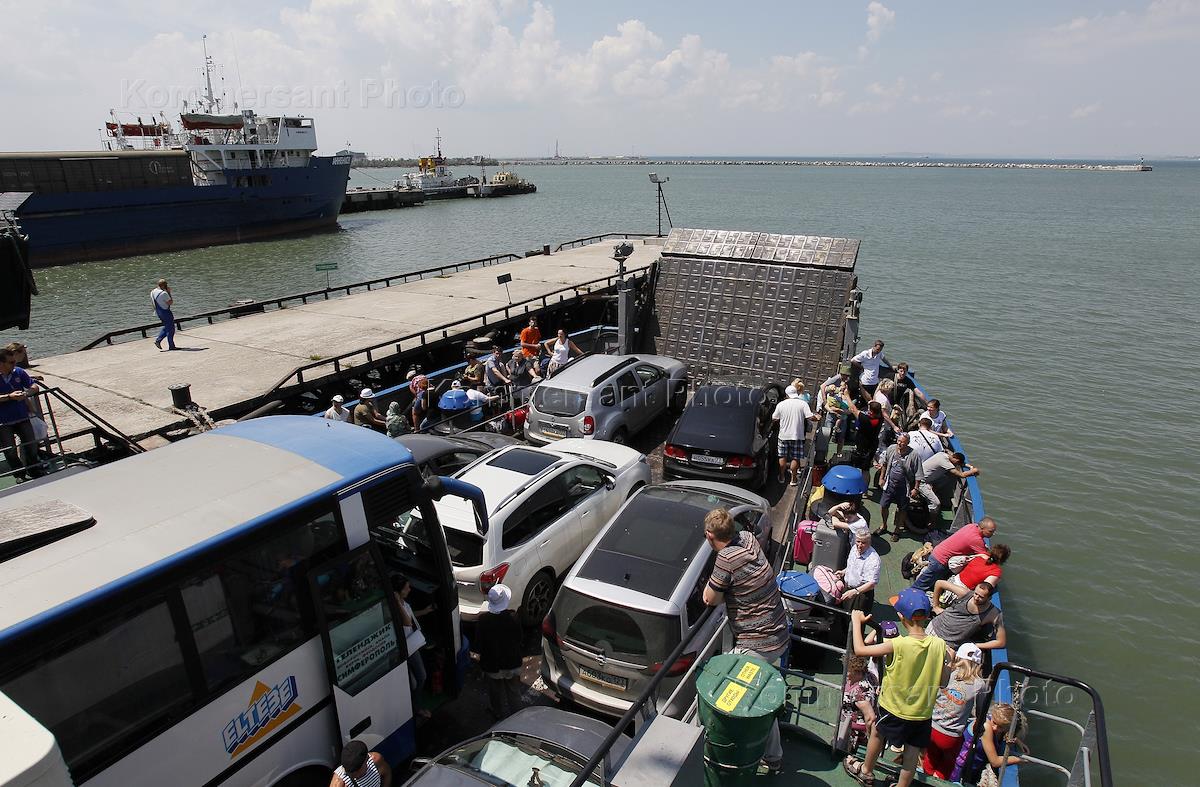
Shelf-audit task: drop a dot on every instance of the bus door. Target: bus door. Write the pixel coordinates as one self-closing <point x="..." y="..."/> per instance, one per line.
<point x="364" y="647"/>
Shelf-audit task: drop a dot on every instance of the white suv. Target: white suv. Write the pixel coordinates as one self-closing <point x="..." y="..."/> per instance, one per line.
<point x="544" y="506"/>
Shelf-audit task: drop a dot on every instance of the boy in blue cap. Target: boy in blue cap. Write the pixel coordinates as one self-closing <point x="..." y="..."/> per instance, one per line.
<point x="914" y="671"/>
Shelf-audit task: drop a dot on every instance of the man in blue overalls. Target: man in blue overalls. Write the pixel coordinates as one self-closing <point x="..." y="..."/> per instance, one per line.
<point x="161" y="296"/>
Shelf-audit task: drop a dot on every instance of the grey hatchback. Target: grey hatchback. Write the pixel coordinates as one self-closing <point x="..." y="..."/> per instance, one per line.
<point x="637" y="592"/>
<point x="606" y="397"/>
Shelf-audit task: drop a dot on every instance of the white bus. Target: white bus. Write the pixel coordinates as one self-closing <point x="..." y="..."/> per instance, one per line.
<point x="218" y="611"/>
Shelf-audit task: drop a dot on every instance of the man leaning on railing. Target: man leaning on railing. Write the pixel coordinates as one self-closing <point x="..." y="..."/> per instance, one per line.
<point x="16" y="413"/>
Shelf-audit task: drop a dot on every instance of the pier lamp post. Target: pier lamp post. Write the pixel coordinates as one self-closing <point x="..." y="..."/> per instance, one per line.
<point x="662" y="200"/>
<point x="622" y="252"/>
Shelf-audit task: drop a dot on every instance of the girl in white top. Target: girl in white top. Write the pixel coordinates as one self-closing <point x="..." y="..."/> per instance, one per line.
<point x="845" y="516"/>
<point x="560" y="349"/>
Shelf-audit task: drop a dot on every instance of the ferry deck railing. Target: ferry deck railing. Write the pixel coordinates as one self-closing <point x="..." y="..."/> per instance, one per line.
<point x="578" y="242"/>
<point x="1093" y="736"/>
<point x="284" y="301"/>
<point x="48" y="405"/>
<point x="509" y="398"/>
<point x="501" y="314"/>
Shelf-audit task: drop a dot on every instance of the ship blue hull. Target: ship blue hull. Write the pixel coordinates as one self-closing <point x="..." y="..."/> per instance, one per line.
<point x="66" y="228"/>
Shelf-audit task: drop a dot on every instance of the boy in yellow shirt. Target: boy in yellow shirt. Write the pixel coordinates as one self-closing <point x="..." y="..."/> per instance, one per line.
<point x="914" y="671"/>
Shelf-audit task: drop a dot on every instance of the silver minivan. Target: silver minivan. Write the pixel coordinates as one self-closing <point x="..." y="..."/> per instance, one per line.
<point x="638" y="591"/>
<point x="606" y="397"/>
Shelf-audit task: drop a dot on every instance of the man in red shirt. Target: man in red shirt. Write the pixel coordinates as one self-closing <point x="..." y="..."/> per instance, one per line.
<point x="531" y="339"/>
<point x="969" y="540"/>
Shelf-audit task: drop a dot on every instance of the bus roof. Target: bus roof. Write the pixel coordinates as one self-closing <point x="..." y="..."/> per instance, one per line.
<point x="154" y="509"/>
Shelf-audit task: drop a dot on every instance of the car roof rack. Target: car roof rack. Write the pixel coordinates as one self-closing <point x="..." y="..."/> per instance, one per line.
<point x="621" y="365"/>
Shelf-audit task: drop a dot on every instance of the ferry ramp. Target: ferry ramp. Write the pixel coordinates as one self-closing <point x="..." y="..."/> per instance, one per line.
<point x="748" y="304"/>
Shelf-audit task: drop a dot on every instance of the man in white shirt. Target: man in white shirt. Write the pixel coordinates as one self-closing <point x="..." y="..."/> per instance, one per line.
<point x="477" y="398"/>
<point x="937" y="418"/>
<point x="925" y="441"/>
<point x="793" y="414"/>
<point x="861" y="574"/>
<point x="870" y="361"/>
<point x="336" y="412"/>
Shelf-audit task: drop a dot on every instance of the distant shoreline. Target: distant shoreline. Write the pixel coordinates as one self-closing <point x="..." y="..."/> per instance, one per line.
<point x="885" y="163"/>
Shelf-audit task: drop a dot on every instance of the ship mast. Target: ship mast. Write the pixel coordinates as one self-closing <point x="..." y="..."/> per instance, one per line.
<point x="212" y="104"/>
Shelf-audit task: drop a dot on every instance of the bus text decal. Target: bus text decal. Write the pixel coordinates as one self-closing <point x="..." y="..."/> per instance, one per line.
<point x="269" y="708"/>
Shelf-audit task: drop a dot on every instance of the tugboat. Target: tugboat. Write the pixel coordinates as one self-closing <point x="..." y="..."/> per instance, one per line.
<point x="433" y="178"/>
<point x="221" y="178"/>
<point x="502" y="184"/>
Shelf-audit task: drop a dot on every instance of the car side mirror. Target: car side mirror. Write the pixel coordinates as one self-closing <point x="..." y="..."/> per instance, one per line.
<point x="610" y="483"/>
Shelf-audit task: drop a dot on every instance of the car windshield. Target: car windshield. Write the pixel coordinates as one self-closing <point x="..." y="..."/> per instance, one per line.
<point x="556" y="401"/>
<point x="629" y="633"/>
<point x="508" y="760"/>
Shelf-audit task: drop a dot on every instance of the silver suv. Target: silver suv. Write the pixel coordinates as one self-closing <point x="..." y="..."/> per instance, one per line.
<point x="637" y="592"/>
<point x="606" y="397"/>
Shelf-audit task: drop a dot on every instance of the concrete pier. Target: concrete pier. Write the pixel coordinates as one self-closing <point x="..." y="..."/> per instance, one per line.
<point x="236" y="362"/>
<point x="382" y="198"/>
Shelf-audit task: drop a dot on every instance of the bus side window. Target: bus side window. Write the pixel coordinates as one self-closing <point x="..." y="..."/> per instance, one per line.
<point x="125" y="680"/>
<point x="254" y="606"/>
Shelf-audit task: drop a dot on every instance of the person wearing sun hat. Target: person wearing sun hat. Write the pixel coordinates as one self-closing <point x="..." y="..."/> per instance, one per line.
<point x="366" y="413"/>
<point x="336" y="412"/>
<point x="497" y="646"/>
<point x="912" y="676"/>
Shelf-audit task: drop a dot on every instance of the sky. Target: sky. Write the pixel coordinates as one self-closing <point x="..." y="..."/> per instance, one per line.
<point x="510" y="78"/>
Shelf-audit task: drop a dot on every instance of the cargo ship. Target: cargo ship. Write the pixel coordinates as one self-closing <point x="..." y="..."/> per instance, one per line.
<point x="220" y="178"/>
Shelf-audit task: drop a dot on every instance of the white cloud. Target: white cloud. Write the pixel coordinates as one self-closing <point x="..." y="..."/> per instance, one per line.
<point x="956" y="110"/>
<point x="1088" y="38"/>
<point x="1079" y="113"/>
<point x="879" y="18"/>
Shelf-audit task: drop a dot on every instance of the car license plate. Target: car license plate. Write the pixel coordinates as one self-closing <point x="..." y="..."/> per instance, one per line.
<point x="554" y="432"/>
<point x="604" y="679"/>
<point x="708" y="460"/>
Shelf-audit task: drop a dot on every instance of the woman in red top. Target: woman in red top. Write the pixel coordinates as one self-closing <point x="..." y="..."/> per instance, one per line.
<point x="981" y="567"/>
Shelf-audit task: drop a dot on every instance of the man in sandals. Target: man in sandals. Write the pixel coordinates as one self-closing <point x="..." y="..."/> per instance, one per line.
<point x="793" y="415"/>
<point x="914" y="671"/>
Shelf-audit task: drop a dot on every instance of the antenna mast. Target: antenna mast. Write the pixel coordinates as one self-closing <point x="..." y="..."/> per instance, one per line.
<point x="211" y="100"/>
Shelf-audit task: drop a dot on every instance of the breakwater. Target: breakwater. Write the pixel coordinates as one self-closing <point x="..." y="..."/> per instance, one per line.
<point x="889" y="163"/>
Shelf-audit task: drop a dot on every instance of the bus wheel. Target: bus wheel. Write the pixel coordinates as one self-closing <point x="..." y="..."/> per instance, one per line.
<point x="539" y="595"/>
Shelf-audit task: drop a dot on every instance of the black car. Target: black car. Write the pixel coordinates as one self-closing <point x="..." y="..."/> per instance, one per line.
<point x="437" y="455"/>
<point x="724" y="434"/>
<point x="555" y="742"/>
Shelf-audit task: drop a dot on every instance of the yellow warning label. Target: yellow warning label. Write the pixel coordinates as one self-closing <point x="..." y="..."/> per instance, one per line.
<point x="749" y="670"/>
<point x="730" y="697"/>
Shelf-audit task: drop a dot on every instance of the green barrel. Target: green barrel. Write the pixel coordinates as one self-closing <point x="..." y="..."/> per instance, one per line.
<point x="739" y="697"/>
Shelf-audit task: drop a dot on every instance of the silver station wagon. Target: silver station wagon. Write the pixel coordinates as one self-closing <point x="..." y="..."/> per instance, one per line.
<point x="605" y="397"/>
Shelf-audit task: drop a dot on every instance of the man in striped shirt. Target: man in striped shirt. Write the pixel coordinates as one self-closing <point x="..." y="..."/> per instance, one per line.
<point x="742" y="579"/>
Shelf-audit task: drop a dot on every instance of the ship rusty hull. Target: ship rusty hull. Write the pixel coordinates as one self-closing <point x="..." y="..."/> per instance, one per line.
<point x="79" y="226"/>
